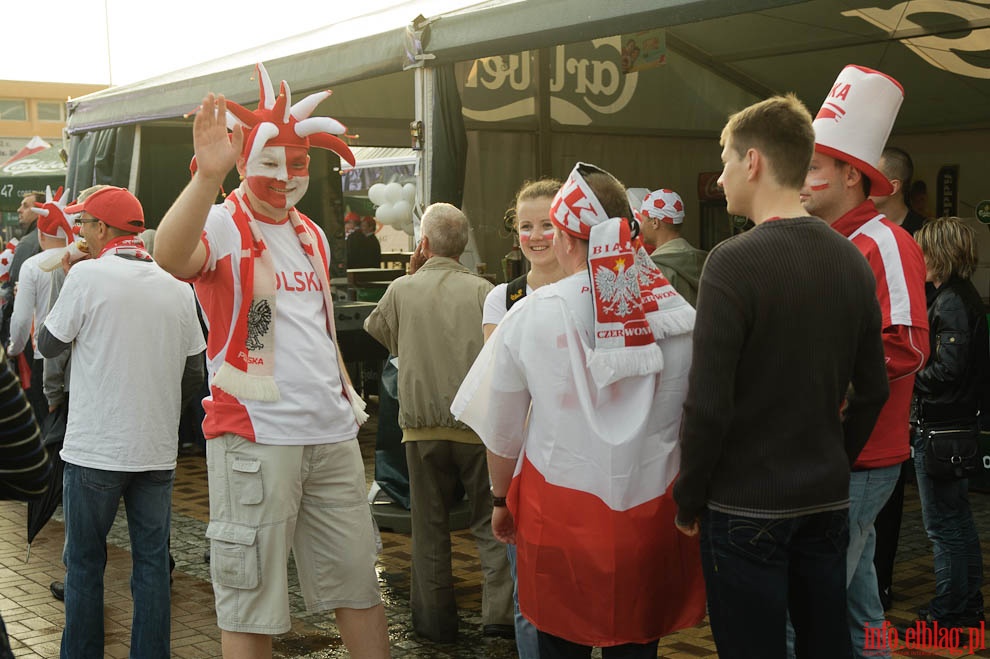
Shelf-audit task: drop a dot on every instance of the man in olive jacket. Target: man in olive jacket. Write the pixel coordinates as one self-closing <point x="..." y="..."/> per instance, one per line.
<point x="431" y="322"/>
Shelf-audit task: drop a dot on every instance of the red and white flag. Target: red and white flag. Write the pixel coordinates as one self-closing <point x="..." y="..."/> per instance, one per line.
<point x="600" y="561"/>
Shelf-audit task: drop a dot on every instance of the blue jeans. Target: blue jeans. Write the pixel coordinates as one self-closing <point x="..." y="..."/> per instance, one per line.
<point x="527" y="641"/>
<point x="868" y="493"/>
<point x="958" y="559"/>
<point x="90" y="499"/>
<point x="757" y="569"/>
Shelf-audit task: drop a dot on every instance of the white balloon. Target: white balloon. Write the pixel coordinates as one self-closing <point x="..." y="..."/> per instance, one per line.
<point x="385" y="214"/>
<point x="409" y="192"/>
<point x="403" y="211"/>
<point x="393" y="192"/>
<point x="376" y="194"/>
<point x="408" y="228"/>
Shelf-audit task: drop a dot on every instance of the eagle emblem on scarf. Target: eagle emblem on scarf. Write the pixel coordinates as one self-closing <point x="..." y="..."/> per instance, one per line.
<point x="258" y="321"/>
<point x="618" y="289"/>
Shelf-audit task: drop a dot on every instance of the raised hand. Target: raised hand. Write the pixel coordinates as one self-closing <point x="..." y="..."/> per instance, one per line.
<point x="216" y="151"/>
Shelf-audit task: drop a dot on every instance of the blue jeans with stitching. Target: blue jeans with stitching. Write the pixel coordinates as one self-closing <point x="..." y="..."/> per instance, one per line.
<point x="527" y="640"/>
<point x="90" y="499"/>
<point x="757" y="569"/>
<point x="958" y="559"/>
<point x="868" y="493"/>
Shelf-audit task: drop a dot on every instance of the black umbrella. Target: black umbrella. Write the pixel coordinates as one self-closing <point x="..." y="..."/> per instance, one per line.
<point x="41" y="510"/>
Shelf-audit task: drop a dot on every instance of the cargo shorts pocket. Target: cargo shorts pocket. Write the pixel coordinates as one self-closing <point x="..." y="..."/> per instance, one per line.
<point x="245" y="476"/>
<point x="234" y="555"/>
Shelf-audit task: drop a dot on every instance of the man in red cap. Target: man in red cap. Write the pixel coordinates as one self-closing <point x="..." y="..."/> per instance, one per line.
<point x="282" y="417"/>
<point x="123" y="417"/>
<point x="850" y="131"/>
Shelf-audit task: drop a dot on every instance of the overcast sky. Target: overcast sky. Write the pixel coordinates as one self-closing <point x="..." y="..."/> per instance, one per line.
<point x="67" y="40"/>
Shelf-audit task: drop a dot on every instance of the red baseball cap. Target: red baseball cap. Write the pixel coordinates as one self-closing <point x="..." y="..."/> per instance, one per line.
<point x="116" y="207"/>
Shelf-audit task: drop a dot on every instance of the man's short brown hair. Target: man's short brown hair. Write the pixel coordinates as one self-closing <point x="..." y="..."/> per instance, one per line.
<point x="611" y="194"/>
<point x="780" y="129"/>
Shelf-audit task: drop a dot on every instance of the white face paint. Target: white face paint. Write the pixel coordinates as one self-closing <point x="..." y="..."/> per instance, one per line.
<point x="278" y="175"/>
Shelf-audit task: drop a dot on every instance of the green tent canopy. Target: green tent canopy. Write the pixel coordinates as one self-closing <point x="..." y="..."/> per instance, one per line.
<point x="30" y="173"/>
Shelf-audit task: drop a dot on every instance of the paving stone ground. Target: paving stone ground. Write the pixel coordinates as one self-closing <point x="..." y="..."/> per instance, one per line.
<point x="34" y="619"/>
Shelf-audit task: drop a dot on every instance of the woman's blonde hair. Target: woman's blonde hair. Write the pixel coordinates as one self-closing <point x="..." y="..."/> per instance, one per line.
<point x="530" y="190"/>
<point x="949" y="246"/>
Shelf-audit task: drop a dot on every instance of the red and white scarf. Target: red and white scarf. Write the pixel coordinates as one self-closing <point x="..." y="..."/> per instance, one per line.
<point x="635" y="305"/>
<point x="248" y="370"/>
<point x="129" y="246"/>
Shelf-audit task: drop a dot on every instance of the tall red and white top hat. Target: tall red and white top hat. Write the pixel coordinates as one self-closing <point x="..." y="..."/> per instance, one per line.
<point x="856" y="119"/>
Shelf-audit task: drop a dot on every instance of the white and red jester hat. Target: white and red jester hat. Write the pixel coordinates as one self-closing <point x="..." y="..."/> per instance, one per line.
<point x="52" y="220"/>
<point x="277" y="122"/>
<point x="855" y="121"/>
<point x="7" y="259"/>
<point x="664" y="205"/>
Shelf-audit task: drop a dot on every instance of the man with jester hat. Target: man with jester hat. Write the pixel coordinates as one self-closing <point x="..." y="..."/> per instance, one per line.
<point x="282" y="417"/>
<point x="32" y="300"/>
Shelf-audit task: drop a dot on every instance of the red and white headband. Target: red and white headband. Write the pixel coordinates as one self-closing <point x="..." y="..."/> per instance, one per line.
<point x="575" y="208"/>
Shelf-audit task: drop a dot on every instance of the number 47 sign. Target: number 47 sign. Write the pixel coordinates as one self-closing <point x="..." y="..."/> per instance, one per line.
<point x="6" y="190"/>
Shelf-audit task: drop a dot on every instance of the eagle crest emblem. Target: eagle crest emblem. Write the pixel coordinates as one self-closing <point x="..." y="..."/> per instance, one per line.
<point x="617" y="289"/>
<point x="259" y="320"/>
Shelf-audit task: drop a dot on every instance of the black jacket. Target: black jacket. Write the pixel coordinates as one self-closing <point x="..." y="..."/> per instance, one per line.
<point x="953" y="384"/>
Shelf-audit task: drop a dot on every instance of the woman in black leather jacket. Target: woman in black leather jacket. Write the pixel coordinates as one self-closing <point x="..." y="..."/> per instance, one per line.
<point x="949" y="390"/>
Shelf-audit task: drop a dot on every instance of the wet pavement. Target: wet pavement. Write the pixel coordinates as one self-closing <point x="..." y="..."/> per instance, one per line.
<point x="34" y="619"/>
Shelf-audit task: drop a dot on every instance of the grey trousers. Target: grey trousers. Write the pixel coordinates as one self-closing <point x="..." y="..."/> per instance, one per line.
<point x="434" y="469"/>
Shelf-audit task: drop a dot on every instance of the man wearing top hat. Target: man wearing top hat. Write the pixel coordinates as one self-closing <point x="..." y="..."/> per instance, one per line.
<point x="850" y="132"/>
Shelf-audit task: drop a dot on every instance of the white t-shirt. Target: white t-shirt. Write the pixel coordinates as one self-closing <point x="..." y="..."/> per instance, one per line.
<point x="133" y="326"/>
<point x="30" y="305"/>
<point x="312" y="408"/>
<point x="495" y="304"/>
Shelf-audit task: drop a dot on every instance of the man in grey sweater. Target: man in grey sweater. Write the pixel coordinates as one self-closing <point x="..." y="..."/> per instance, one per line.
<point x="786" y="383"/>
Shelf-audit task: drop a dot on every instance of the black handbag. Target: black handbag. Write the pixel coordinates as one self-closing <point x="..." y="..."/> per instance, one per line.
<point x="53" y="427"/>
<point x="952" y="450"/>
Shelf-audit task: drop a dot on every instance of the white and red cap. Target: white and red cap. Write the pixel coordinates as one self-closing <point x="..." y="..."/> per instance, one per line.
<point x="7" y="259"/>
<point x="664" y="205"/>
<point x="52" y="220"/>
<point x="277" y="122"/>
<point x="856" y="119"/>
<point x="115" y="207"/>
<point x="575" y="208"/>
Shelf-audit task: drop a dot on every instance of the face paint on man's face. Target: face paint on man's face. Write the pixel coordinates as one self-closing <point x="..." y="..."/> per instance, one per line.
<point x="279" y="175"/>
